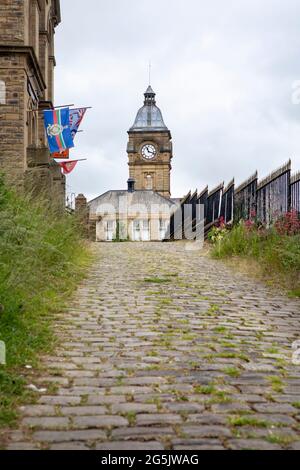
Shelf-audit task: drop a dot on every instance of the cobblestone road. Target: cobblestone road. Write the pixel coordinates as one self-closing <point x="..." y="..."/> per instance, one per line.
<point x="163" y="348"/>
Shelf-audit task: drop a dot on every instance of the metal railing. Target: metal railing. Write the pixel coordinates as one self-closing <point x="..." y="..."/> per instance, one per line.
<point x="266" y="200"/>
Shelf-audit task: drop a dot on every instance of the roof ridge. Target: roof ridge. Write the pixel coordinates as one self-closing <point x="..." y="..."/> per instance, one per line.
<point x="135" y="191"/>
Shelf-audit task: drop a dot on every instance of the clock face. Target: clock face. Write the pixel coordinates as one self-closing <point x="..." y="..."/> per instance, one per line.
<point x="149" y="151"/>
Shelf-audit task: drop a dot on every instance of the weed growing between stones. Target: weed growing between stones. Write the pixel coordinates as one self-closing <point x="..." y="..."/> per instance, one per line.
<point x="239" y="421"/>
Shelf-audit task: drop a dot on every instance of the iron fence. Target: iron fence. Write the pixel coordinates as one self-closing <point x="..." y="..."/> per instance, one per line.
<point x="295" y="192"/>
<point x="245" y="199"/>
<point x="266" y="200"/>
<point x="202" y="199"/>
<point x="273" y="195"/>
<point x="214" y="200"/>
<point x="227" y="203"/>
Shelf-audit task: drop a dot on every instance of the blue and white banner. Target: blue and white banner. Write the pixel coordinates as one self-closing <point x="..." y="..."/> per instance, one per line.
<point x="76" y="116"/>
<point x="57" y="125"/>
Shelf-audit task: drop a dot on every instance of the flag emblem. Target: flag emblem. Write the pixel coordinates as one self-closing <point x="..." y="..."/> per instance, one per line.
<point x="55" y="129"/>
<point x="57" y="125"/>
<point x="68" y="167"/>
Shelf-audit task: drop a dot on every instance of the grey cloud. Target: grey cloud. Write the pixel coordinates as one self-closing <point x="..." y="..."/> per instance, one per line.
<point x="222" y="71"/>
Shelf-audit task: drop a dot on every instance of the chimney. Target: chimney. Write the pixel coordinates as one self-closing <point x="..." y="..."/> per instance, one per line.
<point x="80" y="203"/>
<point x="131" y="183"/>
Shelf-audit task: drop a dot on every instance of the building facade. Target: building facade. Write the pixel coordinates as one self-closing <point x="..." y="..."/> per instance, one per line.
<point x="27" y="62"/>
<point x="150" y="149"/>
<point x="143" y="211"/>
<point x="135" y="215"/>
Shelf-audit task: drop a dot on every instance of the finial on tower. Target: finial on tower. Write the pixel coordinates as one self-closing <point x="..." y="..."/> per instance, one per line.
<point x="149" y="72"/>
<point x="149" y="96"/>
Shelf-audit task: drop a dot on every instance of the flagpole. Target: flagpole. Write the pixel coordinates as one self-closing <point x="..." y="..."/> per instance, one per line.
<point x="70" y="161"/>
<point x="64" y="106"/>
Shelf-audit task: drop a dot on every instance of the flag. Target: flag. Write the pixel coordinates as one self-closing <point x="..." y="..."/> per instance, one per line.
<point x="68" y="167"/>
<point x="76" y="116"/>
<point x="64" y="154"/>
<point x="57" y="125"/>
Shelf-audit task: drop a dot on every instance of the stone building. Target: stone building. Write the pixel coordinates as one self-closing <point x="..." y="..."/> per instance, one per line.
<point x="27" y="64"/>
<point x="136" y="215"/>
<point x="142" y="212"/>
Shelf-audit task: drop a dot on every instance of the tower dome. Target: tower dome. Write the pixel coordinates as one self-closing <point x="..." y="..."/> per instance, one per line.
<point x="149" y="117"/>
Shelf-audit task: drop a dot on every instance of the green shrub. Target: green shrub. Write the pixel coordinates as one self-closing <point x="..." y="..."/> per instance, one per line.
<point x="42" y="257"/>
<point x="274" y="252"/>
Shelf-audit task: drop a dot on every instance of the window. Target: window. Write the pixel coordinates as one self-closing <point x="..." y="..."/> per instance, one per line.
<point x="141" y="230"/>
<point x="162" y="228"/>
<point x="149" y="181"/>
<point x="146" y="231"/>
<point x="2" y="92"/>
<point x="110" y="229"/>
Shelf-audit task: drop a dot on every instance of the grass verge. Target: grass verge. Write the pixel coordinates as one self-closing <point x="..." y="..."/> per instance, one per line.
<point x="42" y="259"/>
<point x="266" y="253"/>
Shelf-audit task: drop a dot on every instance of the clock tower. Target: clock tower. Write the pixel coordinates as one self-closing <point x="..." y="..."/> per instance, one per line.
<point x="150" y="149"/>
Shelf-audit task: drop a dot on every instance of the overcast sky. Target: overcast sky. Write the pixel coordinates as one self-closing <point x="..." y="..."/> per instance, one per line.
<point x="223" y="73"/>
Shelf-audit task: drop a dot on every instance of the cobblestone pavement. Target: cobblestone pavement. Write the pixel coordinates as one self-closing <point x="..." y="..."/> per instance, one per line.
<point x="164" y="348"/>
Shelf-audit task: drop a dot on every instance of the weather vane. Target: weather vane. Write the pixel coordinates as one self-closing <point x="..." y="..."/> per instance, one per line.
<point x="149" y="72"/>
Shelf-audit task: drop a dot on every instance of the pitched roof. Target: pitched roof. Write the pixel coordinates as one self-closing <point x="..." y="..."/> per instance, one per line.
<point x="114" y="199"/>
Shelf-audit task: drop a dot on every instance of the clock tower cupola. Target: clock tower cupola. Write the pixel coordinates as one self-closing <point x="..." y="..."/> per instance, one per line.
<point x="150" y="149"/>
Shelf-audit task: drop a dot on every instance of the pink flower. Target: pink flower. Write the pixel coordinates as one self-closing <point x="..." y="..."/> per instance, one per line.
<point x="249" y="224"/>
<point x="288" y="224"/>
<point x="221" y="222"/>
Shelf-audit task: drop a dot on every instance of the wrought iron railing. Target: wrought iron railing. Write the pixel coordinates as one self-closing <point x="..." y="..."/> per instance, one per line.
<point x="266" y="200"/>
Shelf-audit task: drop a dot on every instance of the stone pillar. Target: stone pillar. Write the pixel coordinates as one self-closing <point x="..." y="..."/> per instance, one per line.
<point x="43" y="178"/>
<point x="38" y="180"/>
<point x="82" y="213"/>
<point x="58" y="186"/>
<point x="80" y="204"/>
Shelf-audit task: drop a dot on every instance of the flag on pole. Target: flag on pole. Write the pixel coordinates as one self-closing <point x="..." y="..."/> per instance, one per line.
<point x="68" y="167"/>
<point x="57" y="125"/>
<point x="76" y="116"/>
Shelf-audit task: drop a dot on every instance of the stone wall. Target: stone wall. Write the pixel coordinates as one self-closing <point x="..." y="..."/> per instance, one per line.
<point x="26" y="73"/>
<point x="12" y="21"/>
<point x="13" y="129"/>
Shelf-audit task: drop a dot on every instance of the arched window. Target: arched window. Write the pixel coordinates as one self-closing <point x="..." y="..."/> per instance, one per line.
<point x="32" y="123"/>
<point x="34" y="130"/>
<point x="2" y="92"/>
<point x="149" y="181"/>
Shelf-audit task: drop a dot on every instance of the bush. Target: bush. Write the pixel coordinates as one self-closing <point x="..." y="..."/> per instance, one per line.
<point x="276" y="250"/>
<point x="42" y="257"/>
